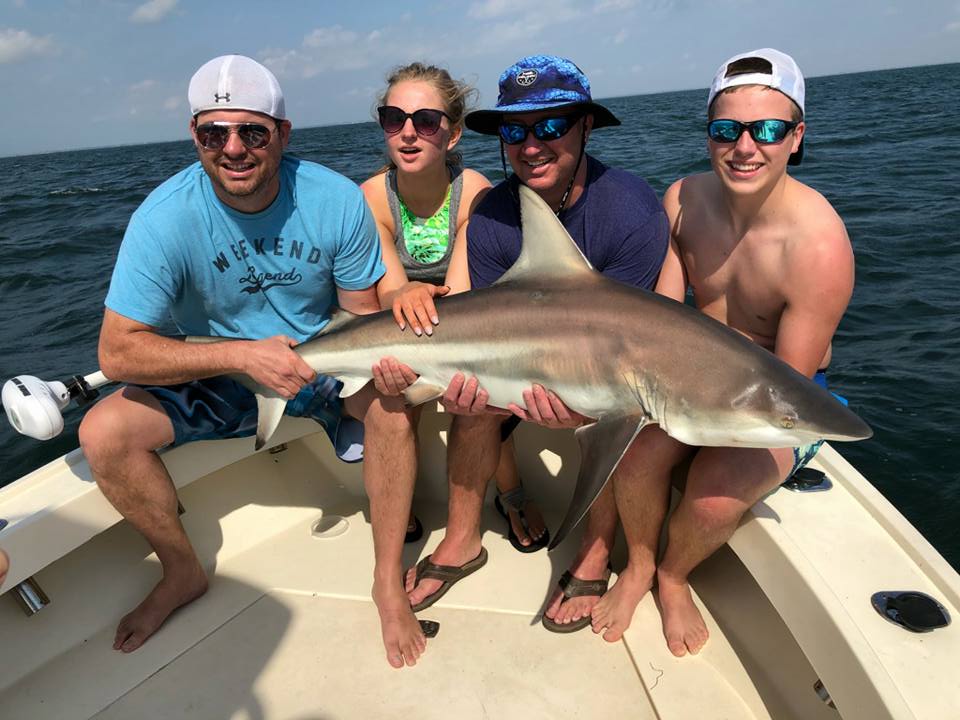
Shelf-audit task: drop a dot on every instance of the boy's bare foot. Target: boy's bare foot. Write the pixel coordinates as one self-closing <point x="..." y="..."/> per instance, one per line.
<point x="175" y="589"/>
<point x="403" y="639"/>
<point x="614" y="612"/>
<point x="683" y="625"/>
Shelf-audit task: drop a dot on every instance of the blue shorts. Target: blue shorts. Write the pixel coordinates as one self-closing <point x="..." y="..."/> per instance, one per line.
<point x="803" y="455"/>
<point x="220" y="407"/>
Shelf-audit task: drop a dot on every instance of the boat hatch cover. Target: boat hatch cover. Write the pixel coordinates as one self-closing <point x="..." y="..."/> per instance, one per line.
<point x="915" y="611"/>
<point x="808" y="480"/>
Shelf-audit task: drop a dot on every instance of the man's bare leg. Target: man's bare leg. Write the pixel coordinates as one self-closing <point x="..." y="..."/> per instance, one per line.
<point x="591" y="560"/>
<point x="508" y="478"/>
<point x="119" y="437"/>
<point x="473" y="452"/>
<point x="722" y="485"/>
<point x="4" y="566"/>
<point x="641" y="486"/>
<point x="389" y="474"/>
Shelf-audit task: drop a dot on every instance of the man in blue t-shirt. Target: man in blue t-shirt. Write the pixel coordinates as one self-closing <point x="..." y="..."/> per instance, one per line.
<point x="245" y="243"/>
<point x="544" y="117"/>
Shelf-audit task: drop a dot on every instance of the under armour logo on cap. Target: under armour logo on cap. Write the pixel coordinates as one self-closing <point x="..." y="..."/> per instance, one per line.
<point x="527" y="77"/>
<point x="238" y="82"/>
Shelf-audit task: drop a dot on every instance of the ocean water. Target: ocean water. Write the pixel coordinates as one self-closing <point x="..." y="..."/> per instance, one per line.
<point x="883" y="147"/>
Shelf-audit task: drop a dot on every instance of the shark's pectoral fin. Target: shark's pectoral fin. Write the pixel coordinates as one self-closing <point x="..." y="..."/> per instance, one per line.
<point x="270" y="407"/>
<point x="352" y="384"/>
<point x="422" y="391"/>
<point x="602" y="445"/>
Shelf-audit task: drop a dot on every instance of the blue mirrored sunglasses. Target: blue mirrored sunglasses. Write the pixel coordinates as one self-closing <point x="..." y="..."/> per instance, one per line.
<point x="551" y="128"/>
<point x="765" y="132"/>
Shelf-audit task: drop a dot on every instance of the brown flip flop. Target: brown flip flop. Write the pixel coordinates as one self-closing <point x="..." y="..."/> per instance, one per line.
<point x="574" y="587"/>
<point x="449" y="574"/>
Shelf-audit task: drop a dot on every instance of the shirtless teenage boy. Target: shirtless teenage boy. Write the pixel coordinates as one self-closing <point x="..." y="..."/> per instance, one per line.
<point x="768" y="256"/>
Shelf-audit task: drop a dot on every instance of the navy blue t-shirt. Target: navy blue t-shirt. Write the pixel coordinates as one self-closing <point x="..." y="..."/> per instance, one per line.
<point x="618" y="223"/>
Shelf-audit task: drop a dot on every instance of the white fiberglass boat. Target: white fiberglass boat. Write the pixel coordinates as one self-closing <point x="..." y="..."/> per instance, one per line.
<point x="288" y="629"/>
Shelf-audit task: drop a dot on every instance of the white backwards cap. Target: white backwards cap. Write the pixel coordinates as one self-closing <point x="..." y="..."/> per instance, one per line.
<point x="784" y="75"/>
<point x="235" y="82"/>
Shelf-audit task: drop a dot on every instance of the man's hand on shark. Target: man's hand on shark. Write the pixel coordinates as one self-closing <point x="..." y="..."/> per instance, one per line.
<point x="413" y="304"/>
<point x="273" y="363"/>
<point x="391" y="377"/>
<point x="545" y="408"/>
<point x="466" y="397"/>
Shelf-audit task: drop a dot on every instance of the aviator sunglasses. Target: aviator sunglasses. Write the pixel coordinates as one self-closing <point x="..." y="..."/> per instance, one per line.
<point x="765" y="132"/>
<point x="426" y="121"/>
<point x="551" y="128"/>
<point x="214" y="135"/>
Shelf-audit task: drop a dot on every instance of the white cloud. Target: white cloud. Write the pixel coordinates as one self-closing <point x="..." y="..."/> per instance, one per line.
<point x="621" y="37"/>
<point x="490" y="9"/>
<point x="173" y="103"/>
<point x="18" y="45"/>
<point x="952" y="27"/>
<point x="153" y="11"/>
<point x="142" y="85"/>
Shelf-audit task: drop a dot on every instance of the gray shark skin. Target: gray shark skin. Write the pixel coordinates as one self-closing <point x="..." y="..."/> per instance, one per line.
<point x="622" y="355"/>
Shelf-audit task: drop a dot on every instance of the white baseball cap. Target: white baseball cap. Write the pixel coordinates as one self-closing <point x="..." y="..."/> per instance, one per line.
<point x="235" y="82"/>
<point x="783" y="75"/>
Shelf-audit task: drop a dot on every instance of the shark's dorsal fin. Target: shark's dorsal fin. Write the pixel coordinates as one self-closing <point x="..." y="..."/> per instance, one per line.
<point x="548" y="249"/>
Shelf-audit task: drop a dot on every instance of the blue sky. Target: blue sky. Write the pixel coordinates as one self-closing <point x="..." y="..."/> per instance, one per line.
<point x="92" y="73"/>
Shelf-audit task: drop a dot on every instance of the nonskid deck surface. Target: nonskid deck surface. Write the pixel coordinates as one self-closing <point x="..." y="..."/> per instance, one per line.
<point x="304" y="656"/>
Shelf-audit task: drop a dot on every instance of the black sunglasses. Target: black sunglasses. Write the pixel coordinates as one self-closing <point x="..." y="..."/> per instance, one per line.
<point x="765" y="132"/>
<point x="426" y="121"/>
<point x="551" y="128"/>
<point x="214" y="135"/>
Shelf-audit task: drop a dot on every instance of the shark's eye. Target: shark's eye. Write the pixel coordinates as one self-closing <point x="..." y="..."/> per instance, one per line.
<point x="787" y="422"/>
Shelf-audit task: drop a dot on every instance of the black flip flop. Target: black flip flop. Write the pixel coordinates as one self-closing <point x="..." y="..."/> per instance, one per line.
<point x="515" y="499"/>
<point x="449" y="574"/>
<point x="415" y="534"/>
<point x="574" y="587"/>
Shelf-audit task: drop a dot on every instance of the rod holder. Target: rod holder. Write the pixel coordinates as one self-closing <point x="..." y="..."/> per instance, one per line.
<point x="30" y="596"/>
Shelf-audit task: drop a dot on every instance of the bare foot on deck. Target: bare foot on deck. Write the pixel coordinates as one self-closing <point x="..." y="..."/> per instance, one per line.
<point x="683" y="625"/>
<point x="403" y="639"/>
<point x="174" y="590"/>
<point x="563" y="610"/>
<point x="613" y="614"/>
<point x="447" y="553"/>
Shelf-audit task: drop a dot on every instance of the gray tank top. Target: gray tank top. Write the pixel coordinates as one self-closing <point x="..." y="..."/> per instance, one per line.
<point x="434" y="272"/>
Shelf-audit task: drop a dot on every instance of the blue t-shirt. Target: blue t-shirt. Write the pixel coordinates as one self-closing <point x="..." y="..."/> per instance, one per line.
<point x="618" y="223"/>
<point x="188" y="257"/>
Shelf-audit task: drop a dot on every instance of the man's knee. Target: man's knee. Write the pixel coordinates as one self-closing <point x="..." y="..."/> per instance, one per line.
<point x="129" y="420"/>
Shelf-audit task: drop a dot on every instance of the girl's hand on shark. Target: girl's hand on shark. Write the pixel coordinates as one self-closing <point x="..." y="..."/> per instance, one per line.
<point x="413" y="304"/>
<point x="273" y="363"/>
<point x="391" y="377"/>
<point x="545" y="408"/>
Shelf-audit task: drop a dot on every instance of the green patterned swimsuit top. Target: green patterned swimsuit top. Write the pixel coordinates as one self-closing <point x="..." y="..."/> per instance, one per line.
<point x="426" y="238"/>
<point x="424" y="244"/>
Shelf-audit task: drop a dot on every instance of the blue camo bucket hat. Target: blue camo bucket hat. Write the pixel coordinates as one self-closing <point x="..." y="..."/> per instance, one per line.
<point x="540" y="82"/>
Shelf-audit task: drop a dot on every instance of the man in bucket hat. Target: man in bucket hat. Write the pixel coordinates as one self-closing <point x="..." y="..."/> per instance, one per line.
<point x="544" y="117"/>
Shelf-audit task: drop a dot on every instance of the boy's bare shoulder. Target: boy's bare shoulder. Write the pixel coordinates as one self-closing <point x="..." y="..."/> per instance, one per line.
<point x="814" y="215"/>
<point x="691" y="190"/>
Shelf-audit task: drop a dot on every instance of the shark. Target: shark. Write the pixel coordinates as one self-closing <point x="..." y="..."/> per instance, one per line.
<point x="620" y="355"/>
